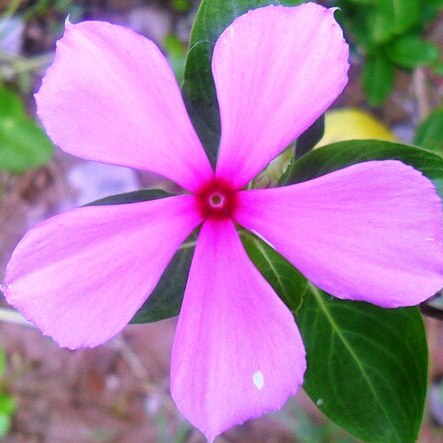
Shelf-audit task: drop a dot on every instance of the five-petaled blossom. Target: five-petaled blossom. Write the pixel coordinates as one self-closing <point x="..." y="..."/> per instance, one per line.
<point x="368" y="232"/>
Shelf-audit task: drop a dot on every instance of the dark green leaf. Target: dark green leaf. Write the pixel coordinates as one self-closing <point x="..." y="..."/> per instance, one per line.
<point x="339" y="155"/>
<point x="411" y="51"/>
<point x="378" y="78"/>
<point x="287" y="282"/>
<point x="430" y="10"/>
<point x="200" y="97"/>
<point x="429" y="133"/>
<point x="198" y="88"/>
<point x="367" y="366"/>
<point x="166" y="300"/>
<point x="131" y="197"/>
<point x="310" y="137"/>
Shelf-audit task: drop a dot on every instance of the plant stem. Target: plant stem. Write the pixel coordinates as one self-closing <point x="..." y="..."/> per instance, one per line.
<point x="11" y="316"/>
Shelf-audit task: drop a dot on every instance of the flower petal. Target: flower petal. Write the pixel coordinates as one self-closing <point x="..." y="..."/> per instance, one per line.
<point x="368" y="232"/>
<point x="111" y="96"/>
<point x="82" y="275"/>
<point x="276" y="70"/>
<point x="237" y="351"/>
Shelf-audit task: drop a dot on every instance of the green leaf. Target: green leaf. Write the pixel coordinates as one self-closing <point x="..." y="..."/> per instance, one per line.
<point x="11" y="104"/>
<point x="411" y="51"/>
<point x="367" y="366"/>
<point x="201" y="101"/>
<point x="310" y="137"/>
<point x="181" y="5"/>
<point x="339" y="155"/>
<point x="213" y="17"/>
<point x="400" y="15"/>
<point x="286" y="281"/>
<point x="8" y="404"/>
<point x="378" y="78"/>
<point x="131" y="197"/>
<point x="5" y="424"/>
<point x="429" y="133"/>
<point x="430" y="10"/>
<point x="23" y="144"/>
<point x="2" y="360"/>
<point x="176" y="53"/>
<point x="363" y="2"/>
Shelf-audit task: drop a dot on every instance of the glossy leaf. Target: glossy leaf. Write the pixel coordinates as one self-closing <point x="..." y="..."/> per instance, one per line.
<point x="23" y="144"/>
<point x="412" y="51"/>
<point x="429" y="133"/>
<point x="378" y="78"/>
<point x="198" y="88"/>
<point x="201" y="101"/>
<point x="339" y="155"/>
<point x="367" y="366"/>
<point x="287" y="282"/>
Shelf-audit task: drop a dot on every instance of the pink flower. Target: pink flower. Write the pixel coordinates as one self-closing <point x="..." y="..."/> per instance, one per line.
<point x="367" y="232"/>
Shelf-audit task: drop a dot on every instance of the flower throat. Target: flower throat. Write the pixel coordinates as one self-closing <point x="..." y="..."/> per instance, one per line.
<point x="217" y="200"/>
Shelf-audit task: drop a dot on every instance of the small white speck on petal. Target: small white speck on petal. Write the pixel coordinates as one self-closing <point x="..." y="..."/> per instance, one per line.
<point x="258" y="380"/>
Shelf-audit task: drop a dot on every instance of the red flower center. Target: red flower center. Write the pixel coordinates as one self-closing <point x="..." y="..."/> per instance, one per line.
<point x="217" y="200"/>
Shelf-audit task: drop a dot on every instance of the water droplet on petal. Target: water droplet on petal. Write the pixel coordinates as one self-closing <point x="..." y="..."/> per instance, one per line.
<point x="258" y="380"/>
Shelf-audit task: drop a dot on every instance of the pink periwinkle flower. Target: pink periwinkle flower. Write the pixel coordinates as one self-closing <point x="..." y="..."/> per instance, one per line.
<point x="368" y="232"/>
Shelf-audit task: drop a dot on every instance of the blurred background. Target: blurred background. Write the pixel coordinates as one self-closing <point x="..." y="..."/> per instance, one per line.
<point x="119" y="392"/>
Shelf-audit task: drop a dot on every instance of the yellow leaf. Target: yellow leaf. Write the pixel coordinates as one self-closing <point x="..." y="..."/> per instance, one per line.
<point x="353" y="124"/>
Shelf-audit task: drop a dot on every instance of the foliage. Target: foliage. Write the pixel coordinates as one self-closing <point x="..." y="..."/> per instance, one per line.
<point x="389" y="35"/>
<point x="7" y="402"/>
<point x="429" y="133"/>
<point x="23" y="144"/>
<point x="367" y="367"/>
